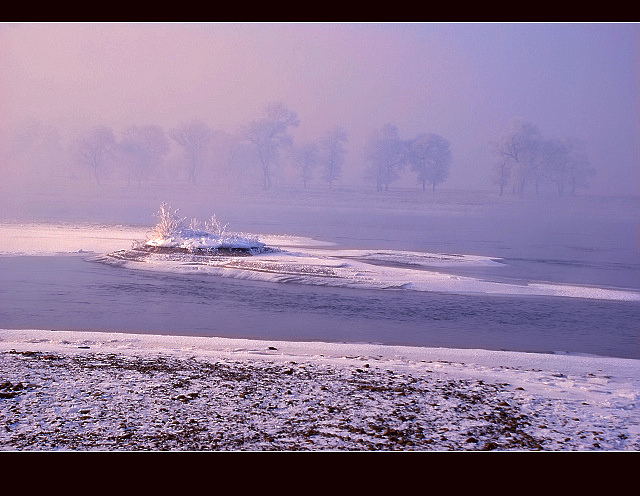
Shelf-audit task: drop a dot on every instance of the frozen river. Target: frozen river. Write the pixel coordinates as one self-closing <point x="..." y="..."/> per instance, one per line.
<point x="71" y="292"/>
<point x="508" y="292"/>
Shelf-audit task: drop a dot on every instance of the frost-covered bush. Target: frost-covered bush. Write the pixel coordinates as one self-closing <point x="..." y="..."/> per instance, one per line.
<point x="194" y="225"/>
<point x="214" y="226"/>
<point x="170" y="224"/>
<point x="173" y="232"/>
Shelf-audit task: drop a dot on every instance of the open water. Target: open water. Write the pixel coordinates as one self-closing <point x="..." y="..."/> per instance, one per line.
<point x="71" y="292"/>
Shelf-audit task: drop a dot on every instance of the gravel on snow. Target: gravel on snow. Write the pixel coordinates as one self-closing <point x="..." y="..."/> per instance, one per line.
<point x="82" y="399"/>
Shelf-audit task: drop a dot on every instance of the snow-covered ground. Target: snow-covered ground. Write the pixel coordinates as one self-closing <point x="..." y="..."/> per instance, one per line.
<point x="55" y="238"/>
<point x="105" y="391"/>
<point x="116" y="391"/>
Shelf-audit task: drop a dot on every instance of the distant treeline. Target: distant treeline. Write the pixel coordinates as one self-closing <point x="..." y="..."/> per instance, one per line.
<point x="529" y="160"/>
<point x="264" y="150"/>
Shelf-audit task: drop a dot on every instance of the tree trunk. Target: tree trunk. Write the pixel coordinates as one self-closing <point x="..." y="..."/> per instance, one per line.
<point x="266" y="180"/>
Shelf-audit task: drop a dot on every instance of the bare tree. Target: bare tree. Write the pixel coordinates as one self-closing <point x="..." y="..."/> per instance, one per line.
<point x="305" y="158"/>
<point x="386" y="156"/>
<point x="142" y="149"/>
<point x="94" y="148"/>
<point x="333" y="153"/>
<point x="194" y="139"/>
<point x="269" y="135"/>
<point x="430" y="157"/>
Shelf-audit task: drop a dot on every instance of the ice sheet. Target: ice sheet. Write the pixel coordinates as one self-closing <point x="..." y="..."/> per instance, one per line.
<point x="297" y="259"/>
<point x="362" y="269"/>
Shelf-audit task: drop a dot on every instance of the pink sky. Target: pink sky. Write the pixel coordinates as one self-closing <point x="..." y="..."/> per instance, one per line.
<point x="463" y="81"/>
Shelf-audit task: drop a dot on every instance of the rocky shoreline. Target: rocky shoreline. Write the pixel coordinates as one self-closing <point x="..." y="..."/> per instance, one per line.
<point x="128" y="402"/>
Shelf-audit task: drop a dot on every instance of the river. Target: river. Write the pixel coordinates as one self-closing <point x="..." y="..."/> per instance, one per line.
<point x="72" y="292"/>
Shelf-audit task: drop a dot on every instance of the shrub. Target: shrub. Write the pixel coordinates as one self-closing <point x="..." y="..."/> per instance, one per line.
<point x="214" y="226"/>
<point x="169" y="225"/>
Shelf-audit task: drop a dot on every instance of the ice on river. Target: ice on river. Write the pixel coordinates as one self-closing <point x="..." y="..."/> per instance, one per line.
<point x="84" y="383"/>
<point x="366" y="269"/>
<point x="297" y="259"/>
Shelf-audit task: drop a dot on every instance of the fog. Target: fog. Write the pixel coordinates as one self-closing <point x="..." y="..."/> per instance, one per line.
<point x="496" y="161"/>
<point x="465" y="82"/>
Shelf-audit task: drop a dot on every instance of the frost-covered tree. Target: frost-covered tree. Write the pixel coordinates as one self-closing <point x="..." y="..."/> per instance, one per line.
<point x="305" y="158"/>
<point x="269" y="135"/>
<point x="521" y="147"/>
<point x="502" y="174"/>
<point x="142" y="149"/>
<point x="579" y="168"/>
<point x="95" y="148"/>
<point x="430" y="156"/>
<point x="386" y="156"/>
<point x="565" y="164"/>
<point x="555" y="162"/>
<point x="194" y="139"/>
<point x="332" y="154"/>
<point x="526" y="157"/>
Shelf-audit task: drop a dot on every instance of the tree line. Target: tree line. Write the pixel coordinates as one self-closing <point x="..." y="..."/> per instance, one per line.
<point x="527" y="160"/>
<point x="265" y="143"/>
<point x="257" y="151"/>
<point x="387" y="155"/>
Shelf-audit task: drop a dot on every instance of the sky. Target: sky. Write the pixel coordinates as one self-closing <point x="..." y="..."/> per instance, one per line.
<point x="466" y="82"/>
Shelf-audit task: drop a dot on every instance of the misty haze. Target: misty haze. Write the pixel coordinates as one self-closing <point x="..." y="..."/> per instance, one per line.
<point x="463" y="187"/>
